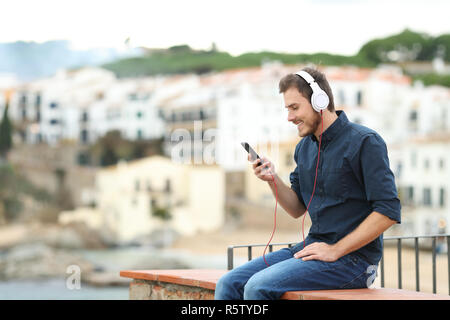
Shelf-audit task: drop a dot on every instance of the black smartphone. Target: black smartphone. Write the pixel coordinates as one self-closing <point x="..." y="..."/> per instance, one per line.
<point x="253" y="154"/>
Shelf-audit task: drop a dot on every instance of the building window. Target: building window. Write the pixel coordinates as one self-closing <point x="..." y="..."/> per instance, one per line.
<point x="441" y="163"/>
<point x="84" y="136"/>
<point x="168" y="186"/>
<point x="413" y="159"/>
<point x="83" y="158"/>
<point x="399" y="169"/>
<point x="84" y="116"/>
<point x="139" y="134"/>
<point x="410" y="195"/>
<point x="23" y="100"/>
<point x="412" y="121"/>
<point x="359" y="98"/>
<point x="54" y="121"/>
<point x="23" y="136"/>
<point x="427" y="197"/>
<point x="139" y="115"/>
<point x="442" y="197"/>
<point x="53" y="105"/>
<point x="137" y="185"/>
<point x="133" y="96"/>
<point x="427" y="164"/>
<point x="38" y="101"/>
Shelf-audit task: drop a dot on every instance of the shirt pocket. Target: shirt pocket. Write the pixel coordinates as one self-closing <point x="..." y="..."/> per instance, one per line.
<point x="335" y="184"/>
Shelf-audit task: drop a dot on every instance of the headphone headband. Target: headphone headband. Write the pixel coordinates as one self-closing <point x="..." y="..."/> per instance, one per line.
<point x="319" y="98"/>
<point x="306" y="76"/>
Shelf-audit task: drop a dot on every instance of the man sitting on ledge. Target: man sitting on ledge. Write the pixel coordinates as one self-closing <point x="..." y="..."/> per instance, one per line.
<point x="351" y="194"/>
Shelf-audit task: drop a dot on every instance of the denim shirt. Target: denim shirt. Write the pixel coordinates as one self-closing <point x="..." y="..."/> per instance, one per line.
<point x="353" y="180"/>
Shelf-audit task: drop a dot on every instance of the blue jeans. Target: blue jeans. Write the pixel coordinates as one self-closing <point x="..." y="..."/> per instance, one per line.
<point x="255" y="281"/>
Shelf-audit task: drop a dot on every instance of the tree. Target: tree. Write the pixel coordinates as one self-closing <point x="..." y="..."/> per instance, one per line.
<point x="5" y="133"/>
<point x="406" y="46"/>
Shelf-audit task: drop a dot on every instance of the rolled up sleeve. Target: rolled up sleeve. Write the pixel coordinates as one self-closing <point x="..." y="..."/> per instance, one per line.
<point x="294" y="178"/>
<point x="379" y="181"/>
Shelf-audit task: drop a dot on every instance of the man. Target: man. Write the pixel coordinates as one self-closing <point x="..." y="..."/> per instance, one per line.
<point x="355" y="200"/>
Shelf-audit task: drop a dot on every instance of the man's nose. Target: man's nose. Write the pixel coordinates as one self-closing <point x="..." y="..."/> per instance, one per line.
<point x="290" y="117"/>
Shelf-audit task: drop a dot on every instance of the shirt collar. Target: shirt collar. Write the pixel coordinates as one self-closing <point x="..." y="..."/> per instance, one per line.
<point x="334" y="129"/>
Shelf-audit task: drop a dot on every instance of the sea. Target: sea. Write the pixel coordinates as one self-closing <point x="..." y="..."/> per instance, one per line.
<point x="110" y="260"/>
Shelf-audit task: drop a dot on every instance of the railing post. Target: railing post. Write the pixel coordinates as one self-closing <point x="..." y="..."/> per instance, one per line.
<point x="448" y="262"/>
<point x="416" y="248"/>
<point x="382" y="268"/>
<point x="230" y="257"/>
<point x="399" y="258"/>
<point x="434" y="263"/>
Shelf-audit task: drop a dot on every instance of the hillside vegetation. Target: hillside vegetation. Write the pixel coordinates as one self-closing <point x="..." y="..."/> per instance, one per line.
<point x="407" y="46"/>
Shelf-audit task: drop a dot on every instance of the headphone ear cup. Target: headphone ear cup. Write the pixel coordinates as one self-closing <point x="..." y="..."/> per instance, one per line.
<point x="319" y="101"/>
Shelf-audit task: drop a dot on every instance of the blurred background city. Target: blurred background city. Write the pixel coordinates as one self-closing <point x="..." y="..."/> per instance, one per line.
<point x="110" y="114"/>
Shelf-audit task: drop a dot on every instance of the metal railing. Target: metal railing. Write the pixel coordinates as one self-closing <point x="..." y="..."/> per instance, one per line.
<point x="400" y="241"/>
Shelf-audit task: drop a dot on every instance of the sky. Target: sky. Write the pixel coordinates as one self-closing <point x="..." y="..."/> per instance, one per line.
<point x="236" y="26"/>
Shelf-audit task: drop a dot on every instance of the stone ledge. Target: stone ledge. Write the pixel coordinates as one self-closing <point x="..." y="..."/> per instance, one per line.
<point x="155" y="290"/>
<point x="202" y="278"/>
<point x="200" y="284"/>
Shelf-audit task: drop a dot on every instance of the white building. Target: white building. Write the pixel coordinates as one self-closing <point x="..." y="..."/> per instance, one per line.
<point x="251" y="110"/>
<point x="130" y="194"/>
<point x="421" y="167"/>
<point x="375" y="98"/>
<point x="85" y="104"/>
<point x="225" y="109"/>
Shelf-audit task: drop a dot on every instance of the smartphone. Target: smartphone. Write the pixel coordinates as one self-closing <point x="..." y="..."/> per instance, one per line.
<point x="253" y="154"/>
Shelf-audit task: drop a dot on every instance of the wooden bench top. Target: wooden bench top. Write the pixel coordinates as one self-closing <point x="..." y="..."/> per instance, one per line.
<point x="203" y="278"/>
<point x="207" y="279"/>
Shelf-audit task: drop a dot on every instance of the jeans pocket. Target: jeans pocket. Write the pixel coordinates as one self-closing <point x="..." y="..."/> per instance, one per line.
<point x="359" y="282"/>
<point x="360" y="272"/>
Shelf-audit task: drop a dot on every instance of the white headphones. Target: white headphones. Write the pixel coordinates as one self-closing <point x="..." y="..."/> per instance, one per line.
<point x="319" y="98"/>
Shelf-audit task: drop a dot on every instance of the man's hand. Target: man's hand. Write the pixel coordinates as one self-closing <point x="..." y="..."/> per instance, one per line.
<point x="318" y="251"/>
<point x="264" y="171"/>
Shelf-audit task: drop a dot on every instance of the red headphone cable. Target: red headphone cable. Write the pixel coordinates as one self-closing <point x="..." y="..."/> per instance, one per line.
<point x="315" y="180"/>
<point x="276" y="199"/>
<point x="312" y="195"/>
<point x="275" y="219"/>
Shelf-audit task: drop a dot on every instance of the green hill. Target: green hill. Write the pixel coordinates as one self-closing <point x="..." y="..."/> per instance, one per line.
<point x="405" y="46"/>
<point x="198" y="61"/>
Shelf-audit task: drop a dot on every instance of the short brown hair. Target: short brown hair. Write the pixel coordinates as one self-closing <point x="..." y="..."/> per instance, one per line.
<point x="293" y="80"/>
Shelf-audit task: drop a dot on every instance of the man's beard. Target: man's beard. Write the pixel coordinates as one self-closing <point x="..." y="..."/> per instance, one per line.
<point x="312" y="126"/>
